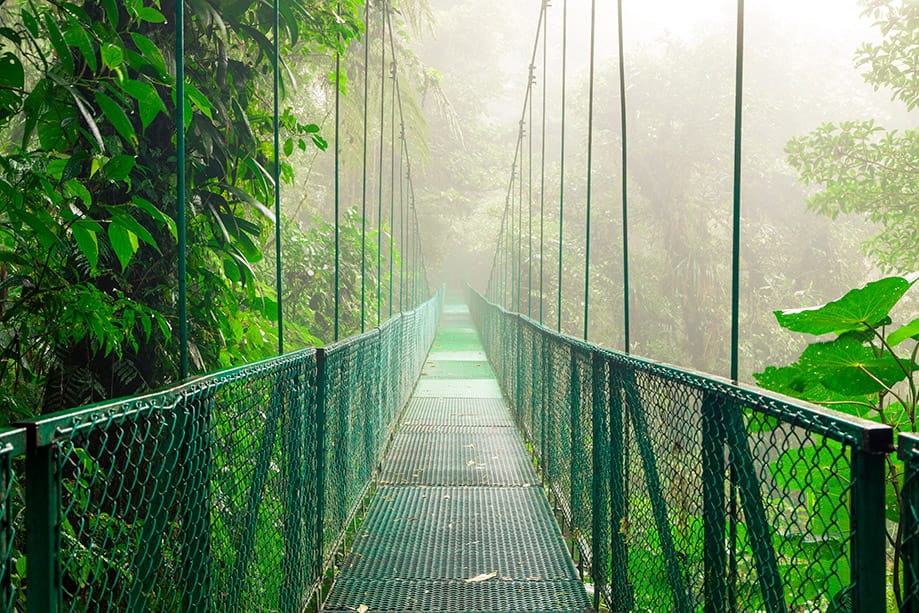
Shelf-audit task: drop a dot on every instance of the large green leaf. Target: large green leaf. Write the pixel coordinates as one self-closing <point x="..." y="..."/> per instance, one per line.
<point x="798" y="382"/>
<point x="858" y="309"/>
<point x="59" y="44"/>
<point x="124" y="242"/>
<point x="910" y="330"/>
<point x="117" y="117"/>
<point x="85" y="236"/>
<point x="844" y="365"/>
<point x="148" y="100"/>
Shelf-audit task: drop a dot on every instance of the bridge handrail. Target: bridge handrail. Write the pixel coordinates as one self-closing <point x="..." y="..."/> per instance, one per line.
<point x="683" y="491"/>
<point x="229" y="491"/>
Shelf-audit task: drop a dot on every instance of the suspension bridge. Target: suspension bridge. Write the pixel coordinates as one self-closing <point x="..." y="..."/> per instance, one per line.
<point x="461" y="454"/>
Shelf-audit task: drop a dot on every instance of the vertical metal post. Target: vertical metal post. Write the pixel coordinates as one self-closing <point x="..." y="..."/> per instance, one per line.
<point x="277" y="175"/>
<point x="196" y="502"/>
<point x="714" y="520"/>
<point x="380" y="195"/>
<point x="735" y="251"/>
<point x="868" y="531"/>
<point x="180" y="186"/>
<point x="43" y="545"/>
<point x="600" y="493"/>
<point x="590" y="152"/>
<point x="618" y="498"/>
<point x="625" y="192"/>
<point x="337" y="179"/>
<point x="561" y="172"/>
<point x="909" y="519"/>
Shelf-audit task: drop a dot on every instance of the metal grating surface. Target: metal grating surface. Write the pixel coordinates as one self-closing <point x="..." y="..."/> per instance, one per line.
<point x="457" y="455"/>
<point x="457" y="369"/>
<point x="456" y="356"/>
<point x="457" y="388"/>
<point x="458" y="533"/>
<point x="453" y="596"/>
<point x="457" y="412"/>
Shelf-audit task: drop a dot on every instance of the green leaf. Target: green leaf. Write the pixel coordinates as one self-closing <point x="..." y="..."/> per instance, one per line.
<point x="858" y="309"/>
<point x="148" y="13"/>
<point x="252" y="201"/>
<point x="150" y="52"/>
<point x="78" y="190"/>
<point x="156" y="214"/>
<point x="124" y="242"/>
<point x="117" y="117"/>
<point x="910" y="330"/>
<point x="77" y="36"/>
<point x="87" y="241"/>
<point x="843" y="366"/>
<point x="11" y="72"/>
<point x="111" y="11"/>
<point x="199" y="100"/>
<point x="112" y="55"/>
<point x="134" y="227"/>
<point x="148" y="100"/>
<point x="29" y="21"/>
<point x="119" y="167"/>
<point x="59" y="44"/>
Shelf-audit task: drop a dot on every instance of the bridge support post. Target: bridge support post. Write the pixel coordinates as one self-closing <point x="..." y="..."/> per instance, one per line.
<point x="600" y="493"/>
<point x="714" y="522"/>
<point x="868" y="556"/>
<point x="43" y="546"/>
<point x="196" y="503"/>
<point x="620" y="587"/>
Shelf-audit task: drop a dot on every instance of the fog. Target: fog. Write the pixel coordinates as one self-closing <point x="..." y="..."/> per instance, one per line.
<point x="679" y="71"/>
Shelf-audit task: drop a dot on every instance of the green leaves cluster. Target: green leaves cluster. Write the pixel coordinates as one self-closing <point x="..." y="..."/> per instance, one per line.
<point x="868" y="367"/>
<point x="862" y="168"/>
<point x="88" y="188"/>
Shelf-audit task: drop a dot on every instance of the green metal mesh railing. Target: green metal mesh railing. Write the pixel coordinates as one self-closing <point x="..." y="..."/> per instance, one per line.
<point x="683" y="492"/>
<point x="908" y="452"/>
<point x="231" y="492"/>
<point x="12" y="444"/>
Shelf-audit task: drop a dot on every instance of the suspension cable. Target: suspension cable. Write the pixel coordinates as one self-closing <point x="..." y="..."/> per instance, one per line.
<point x="337" y="176"/>
<point x="625" y="191"/>
<point x="392" y="167"/>
<point x="180" y="186"/>
<point x="364" y="167"/>
<point x="590" y="146"/>
<point x="530" y="197"/>
<point x="735" y="251"/>
<point x="382" y="146"/>
<point x="542" y="158"/>
<point x="561" y="189"/>
<point x="276" y="174"/>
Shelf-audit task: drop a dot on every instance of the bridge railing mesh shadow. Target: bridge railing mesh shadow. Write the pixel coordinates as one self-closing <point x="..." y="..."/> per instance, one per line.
<point x="683" y="492"/>
<point x="230" y="492"/>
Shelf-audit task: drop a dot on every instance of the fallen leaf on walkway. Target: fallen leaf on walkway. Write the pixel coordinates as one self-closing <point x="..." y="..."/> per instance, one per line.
<point x="482" y="577"/>
<point x="363" y="608"/>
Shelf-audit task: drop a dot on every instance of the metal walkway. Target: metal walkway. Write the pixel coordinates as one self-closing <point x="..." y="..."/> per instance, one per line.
<point x="459" y="522"/>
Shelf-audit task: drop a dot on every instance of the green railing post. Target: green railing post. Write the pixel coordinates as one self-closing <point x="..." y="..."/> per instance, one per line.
<point x="43" y="545"/>
<point x="196" y="507"/>
<point x="600" y="494"/>
<point x="578" y="497"/>
<point x="869" y="561"/>
<point x="321" y="401"/>
<point x="714" y="519"/>
<point x="621" y="589"/>
<point x="296" y="503"/>
<point x="908" y="452"/>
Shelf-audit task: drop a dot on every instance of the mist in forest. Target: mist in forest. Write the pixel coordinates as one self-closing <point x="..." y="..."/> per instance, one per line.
<point x="679" y="74"/>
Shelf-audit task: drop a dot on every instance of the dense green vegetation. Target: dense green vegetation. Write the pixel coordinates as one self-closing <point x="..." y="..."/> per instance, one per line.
<point x="88" y="299"/>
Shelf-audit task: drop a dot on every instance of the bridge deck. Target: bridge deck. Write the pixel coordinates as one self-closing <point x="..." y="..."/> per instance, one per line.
<point x="459" y="522"/>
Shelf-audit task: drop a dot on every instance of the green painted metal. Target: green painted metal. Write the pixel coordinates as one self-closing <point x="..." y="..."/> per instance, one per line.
<point x="181" y="226"/>
<point x="380" y="167"/>
<point x="276" y="170"/>
<point x="12" y="444"/>
<point x="908" y="453"/>
<point x="590" y="154"/>
<point x="228" y="492"/>
<point x="624" y="136"/>
<point x="678" y="443"/>
<point x="738" y="141"/>
<point x="366" y="38"/>
<point x="336" y="286"/>
<point x="561" y="169"/>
